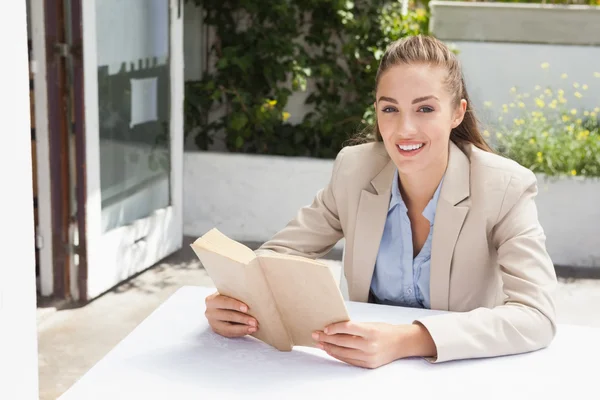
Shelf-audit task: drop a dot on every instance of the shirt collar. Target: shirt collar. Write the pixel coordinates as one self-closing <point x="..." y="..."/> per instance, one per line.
<point x="396" y="199"/>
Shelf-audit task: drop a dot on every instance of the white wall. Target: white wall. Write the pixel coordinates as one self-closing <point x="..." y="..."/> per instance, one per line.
<point x="250" y="198"/>
<point x="18" y="332"/>
<point x="247" y="197"/>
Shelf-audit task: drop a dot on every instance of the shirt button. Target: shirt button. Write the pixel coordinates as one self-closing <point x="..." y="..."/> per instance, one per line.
<point x="410" y="291"/>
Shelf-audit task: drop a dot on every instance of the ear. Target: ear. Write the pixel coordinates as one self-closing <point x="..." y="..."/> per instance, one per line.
<point x="375" y="105"/>
<point x="459" y="113"/>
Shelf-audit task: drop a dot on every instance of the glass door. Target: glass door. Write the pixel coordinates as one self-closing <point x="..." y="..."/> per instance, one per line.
<point x="133" y="96"/>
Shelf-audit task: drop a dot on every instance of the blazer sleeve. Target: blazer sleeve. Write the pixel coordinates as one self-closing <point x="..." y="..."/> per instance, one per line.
<point x="526" y="319"/>
<point x="316" y="228"/>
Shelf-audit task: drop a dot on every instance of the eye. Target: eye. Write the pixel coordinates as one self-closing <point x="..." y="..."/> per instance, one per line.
<point x="426" y="109"/>
<point x="388" y="109"/>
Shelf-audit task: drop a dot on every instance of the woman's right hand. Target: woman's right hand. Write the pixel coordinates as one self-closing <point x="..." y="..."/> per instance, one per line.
<point x="228" y="317"/>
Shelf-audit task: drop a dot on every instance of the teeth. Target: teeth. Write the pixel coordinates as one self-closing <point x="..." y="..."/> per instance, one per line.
<point x="410" y="147"/>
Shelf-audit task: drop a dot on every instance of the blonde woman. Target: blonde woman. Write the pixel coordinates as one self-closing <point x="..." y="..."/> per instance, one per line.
<point x="431" y="218"/>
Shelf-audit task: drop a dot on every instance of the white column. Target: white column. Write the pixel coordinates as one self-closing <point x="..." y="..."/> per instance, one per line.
<point x="18" y="330"/>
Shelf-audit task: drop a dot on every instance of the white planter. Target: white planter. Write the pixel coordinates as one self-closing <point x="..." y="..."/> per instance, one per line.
<point x="515" y="22"/>
<point x="569" y="211"/>
<point x="250" y="198"/>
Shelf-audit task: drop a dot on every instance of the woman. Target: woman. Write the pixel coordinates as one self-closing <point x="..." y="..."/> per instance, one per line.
<point x="431" y="218"/>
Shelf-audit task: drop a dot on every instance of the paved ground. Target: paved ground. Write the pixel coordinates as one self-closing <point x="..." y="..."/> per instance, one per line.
<point x="71" y="341"/>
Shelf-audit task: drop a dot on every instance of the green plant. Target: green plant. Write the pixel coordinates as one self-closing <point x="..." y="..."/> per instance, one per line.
<point x="550" y="135"/>
<point x="268" y="50"/>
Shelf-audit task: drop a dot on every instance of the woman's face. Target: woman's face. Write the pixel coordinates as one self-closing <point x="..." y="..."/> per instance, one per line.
<point x="416" y="114"/>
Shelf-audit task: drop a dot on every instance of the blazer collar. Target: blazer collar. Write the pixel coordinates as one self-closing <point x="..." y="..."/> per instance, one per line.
<point x="371" y="216"/>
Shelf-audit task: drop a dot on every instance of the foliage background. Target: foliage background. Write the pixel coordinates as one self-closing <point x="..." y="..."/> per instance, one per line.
<point x="266" y="50"/>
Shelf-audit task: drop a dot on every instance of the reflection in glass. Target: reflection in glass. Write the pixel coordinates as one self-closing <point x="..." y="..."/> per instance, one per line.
<point x="134" y="112"/>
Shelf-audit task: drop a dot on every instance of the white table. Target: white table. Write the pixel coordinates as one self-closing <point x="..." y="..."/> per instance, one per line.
<point x="174" y="355"/>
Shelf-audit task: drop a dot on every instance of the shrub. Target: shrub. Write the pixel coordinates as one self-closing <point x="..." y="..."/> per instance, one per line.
<point x="551" y="135"/>
<point x="267" y="50"/>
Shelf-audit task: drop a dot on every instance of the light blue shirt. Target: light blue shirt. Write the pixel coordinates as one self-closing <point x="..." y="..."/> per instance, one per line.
<point x="399" y="279"/>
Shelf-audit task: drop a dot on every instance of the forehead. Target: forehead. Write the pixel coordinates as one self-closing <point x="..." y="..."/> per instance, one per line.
<point x="413" y="80"/>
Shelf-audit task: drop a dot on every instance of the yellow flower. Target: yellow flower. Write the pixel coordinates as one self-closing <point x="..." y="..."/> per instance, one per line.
<point x="597" y="110"/>
<point x="285" y="115"/>
<point x="583" y="135"/>
<point x="573" y="172"/>
<point x="578" y="95"/>
<point x="548" y="92"/>
<point x="504" y="105"/>
<point x="486" y="133"/>
<point x="561" y="92"/>
<point x="538" y="87"/>
<point x="500" y="118"/>
<point x="540" y="157"/>
<point x="570" y="128"/>
<point x="513" y="89"/>
<point x="585" y="87"/>
<point x="545" y="134"/>
<point x="545" y="65"/>
<point x="586" y="113"/>
<point x="579" y="121"/>
<point x="543" y="119"/>
<point x="597" y="74"/>
<point x="574" y="111"/>
<point x="540" y="103"/>
<point x="553" y="104"/>
<point x="272" y="103"/>
<point x="519" y="96"/>
<point x="532" y="141"/>
<point x="512" y="105"/>
<point x="566" y="118"/>
<point x="562" y="100"/>
<point x="499" y="135"/>
<point x="564" y="76"/>
<point x="593" y="114"/>
<point x="576" y="85"/>
<point x="521" y="104"/>
<point x="488" y="104"/>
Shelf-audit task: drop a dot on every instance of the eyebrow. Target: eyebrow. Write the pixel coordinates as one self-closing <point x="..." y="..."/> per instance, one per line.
<point x="415" y="101"/>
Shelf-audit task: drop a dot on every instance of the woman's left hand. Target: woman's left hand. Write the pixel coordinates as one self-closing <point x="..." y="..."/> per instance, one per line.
<point x="371" y="345"/>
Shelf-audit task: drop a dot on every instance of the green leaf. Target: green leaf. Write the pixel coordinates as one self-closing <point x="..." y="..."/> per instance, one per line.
<point x="238" y="121"/>
<point x="239" y="142"/>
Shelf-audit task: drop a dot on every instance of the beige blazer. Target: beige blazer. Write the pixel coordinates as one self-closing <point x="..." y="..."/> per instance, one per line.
<point x="489" y="263"/>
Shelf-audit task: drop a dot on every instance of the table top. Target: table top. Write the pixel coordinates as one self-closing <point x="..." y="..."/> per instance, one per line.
<point x="173" y="354"/>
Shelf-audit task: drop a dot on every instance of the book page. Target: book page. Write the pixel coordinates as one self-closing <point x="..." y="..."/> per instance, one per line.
<point x="246" y="283"/>
<point x="306" y="293"/>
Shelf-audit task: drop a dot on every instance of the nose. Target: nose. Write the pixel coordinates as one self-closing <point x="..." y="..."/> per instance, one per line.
<point x="406" y="127"/>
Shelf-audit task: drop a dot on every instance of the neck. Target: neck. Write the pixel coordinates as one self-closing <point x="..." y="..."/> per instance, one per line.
<point x="419" y="187"/>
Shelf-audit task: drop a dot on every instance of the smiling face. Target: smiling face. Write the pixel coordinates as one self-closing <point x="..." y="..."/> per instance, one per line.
<point x="415" y="115"/>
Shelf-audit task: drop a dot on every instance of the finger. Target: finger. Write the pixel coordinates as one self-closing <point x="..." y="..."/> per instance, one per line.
<point x="343" y="353"/>
<point x="342" y="340"/>
<point x="231" y="316"/>
<point x="339" y="351"/>
<point x="228" y="329"/>
<point x="348" y="328"/>
<point x="228" y="303"/>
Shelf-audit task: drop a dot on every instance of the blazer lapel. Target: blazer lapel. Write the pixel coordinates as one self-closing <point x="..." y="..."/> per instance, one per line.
<point x="370" y="221"/>
<point x="449" y="218"/>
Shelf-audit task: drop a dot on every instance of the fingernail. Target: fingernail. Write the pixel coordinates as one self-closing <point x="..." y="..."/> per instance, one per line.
<point x="243" y="308"/>
<point x="251" y="330"/>
<point x="315" y="336"/>
<point x="326" y="330"/>
<point x="252" y="323"/>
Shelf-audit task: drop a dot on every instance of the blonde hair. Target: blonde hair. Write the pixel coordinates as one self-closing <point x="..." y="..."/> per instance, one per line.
<point x="428" y="50"/>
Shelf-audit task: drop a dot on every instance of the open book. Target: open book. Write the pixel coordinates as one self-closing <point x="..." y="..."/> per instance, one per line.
<point x="290" y="296"/>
